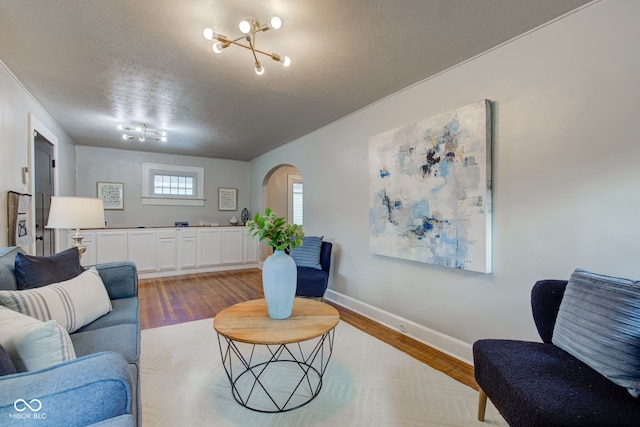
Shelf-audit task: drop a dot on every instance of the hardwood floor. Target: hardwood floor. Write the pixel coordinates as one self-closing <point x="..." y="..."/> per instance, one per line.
<point x="170" y="300"/>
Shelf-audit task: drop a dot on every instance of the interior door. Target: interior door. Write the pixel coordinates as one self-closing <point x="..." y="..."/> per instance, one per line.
<point x="43" y="175"/>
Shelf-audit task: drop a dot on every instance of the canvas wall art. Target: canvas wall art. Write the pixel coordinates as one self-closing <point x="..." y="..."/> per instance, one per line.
<point x="430" y="190"/>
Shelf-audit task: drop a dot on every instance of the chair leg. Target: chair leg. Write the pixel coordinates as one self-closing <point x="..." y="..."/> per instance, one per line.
<point x="482" y="404"/>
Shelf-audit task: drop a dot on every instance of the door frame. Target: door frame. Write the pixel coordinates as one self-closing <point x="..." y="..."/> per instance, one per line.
<point x="36" y="125"/>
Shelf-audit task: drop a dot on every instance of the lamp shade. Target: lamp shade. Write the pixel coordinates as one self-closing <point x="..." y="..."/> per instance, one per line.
<point x="75" y="212"/>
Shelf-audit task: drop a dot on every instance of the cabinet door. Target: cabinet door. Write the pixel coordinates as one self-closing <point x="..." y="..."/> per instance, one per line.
<point x="232" y="245"/>
<point x="141" y="246"/>
<point x="209" y="248"/>
<point x="251" y="245"/>
<point x="187" y="248"/>
<point x="111" y="246"/>
<point x="167" y="256"/>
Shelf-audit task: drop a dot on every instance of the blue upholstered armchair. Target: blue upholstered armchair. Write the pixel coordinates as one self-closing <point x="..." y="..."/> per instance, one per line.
<point x="312" y="282"/>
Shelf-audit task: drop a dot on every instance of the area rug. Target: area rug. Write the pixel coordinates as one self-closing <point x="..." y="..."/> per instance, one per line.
<point x="367" y="383"/>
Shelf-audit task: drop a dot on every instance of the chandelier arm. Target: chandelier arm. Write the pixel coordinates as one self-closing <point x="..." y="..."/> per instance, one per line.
<point x="249" y="48"/>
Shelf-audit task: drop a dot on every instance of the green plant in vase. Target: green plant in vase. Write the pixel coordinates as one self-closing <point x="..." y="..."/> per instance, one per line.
<point x="280" y="235"/>
<point x="279" y="273"/>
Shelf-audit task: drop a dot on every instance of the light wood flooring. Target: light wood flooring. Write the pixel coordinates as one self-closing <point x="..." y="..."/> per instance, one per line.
<point x="170" y="300"/>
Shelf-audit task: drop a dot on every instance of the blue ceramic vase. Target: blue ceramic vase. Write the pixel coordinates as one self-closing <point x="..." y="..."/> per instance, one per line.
<point x="279" y="276"/>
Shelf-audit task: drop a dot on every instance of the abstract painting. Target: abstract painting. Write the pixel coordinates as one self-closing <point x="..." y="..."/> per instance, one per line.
<point x="430" y="190"/>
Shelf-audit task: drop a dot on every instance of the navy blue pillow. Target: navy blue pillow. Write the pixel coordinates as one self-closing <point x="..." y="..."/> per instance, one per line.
<point x="308" y="255"/>
<point x="6" y="364"/>
<point x="36" y="271"/>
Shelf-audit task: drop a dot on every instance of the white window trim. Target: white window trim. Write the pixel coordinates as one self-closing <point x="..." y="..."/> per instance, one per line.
<point x="292" y="179"/>
<point x="150" y="199"/>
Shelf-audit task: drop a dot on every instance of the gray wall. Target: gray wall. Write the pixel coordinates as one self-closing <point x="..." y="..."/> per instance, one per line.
<point x="16" y="106"/>
<point x="108" y="165"/>
<point x="566" y="190"/>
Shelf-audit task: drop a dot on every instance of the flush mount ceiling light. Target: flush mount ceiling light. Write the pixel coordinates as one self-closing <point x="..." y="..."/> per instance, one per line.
<point x="248" y="27"/>
<point x="143" y="133"/>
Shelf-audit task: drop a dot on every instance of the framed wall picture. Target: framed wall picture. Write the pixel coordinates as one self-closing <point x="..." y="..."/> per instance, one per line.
<point x="227" y="199"/>
<point x="112" y="194"/>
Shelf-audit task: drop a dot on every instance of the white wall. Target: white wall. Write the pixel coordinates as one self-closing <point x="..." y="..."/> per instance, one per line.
<point x="108" y="165"/>
<point x="16" y="106"/>
<point x="566" y="179"/>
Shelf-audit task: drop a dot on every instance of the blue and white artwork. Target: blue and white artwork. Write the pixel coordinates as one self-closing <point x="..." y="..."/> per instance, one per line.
<point x="430" y="190"/>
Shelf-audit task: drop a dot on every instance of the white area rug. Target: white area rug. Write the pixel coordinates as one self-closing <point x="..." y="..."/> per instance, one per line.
<point x="368" y="383"/>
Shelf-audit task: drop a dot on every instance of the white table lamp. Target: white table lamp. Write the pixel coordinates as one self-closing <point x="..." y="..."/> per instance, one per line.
<point x="76" y="212"/>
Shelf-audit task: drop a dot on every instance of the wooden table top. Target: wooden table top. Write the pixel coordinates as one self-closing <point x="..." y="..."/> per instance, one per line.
<point x="249" y="322"/>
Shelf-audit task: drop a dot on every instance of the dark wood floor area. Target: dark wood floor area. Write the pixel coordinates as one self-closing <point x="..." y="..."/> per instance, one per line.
<point x="170" y="300"/>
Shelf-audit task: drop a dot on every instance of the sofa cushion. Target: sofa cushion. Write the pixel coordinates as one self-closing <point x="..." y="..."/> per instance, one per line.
<point x="599" y="323"/>
<point x="7" y="268"/>
<point x="6" y="364"/>
<point x="123" y="339"/>
<point x="125" y="311"/>
<point x="35" y="271"/>
<point x="536" y="384"/>
<point x="72" y="303"/>
<point x="33" y="344"/>
<point x="308" y="255"/>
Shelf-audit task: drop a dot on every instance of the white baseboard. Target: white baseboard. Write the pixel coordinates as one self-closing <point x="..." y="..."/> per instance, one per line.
<point x="434" y="339"/>
<point x="170" y="273"/>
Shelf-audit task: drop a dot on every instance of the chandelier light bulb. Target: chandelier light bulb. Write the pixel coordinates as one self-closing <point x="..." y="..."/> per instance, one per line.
<point x="125" y="137"/>
<point x="259" y="70"/>
<point x="245" y="26"/>
<point x="138" y="129"/>
<point x="163" y="139"/>
<point x="286" y="61"/>
<point x="207" y="33"/>
<point x="120" y="127"/>
<point x="141" y="138"/>
<point x="217" y="48"/>
<point x="275" y="23"/>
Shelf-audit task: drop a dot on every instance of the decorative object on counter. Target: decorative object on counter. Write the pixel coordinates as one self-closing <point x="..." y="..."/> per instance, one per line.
<point x="181" y="223"/>
<point x="227" y="199"/>
<point x="76" y="212"/>
<point x="244" y="216"/>
<point x="279" y="273"/>
<point x="111" y="193"/>
<point x="233" y="220"/>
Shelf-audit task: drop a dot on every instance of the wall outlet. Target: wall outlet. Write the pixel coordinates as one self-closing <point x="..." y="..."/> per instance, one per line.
<point x="403" y="328"/>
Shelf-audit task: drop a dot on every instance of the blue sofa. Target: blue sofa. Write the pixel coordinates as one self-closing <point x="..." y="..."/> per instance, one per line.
<point x="540" y="384"/>
<point x="101" y="386"/>
<point x="312" y="282"/>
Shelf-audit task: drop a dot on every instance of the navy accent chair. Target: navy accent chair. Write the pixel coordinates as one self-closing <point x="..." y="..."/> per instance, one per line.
<point x="539" y="384"/>
<point x="312" y="283"/>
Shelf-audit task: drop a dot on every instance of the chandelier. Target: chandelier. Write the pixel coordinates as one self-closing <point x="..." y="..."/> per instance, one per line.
<point x="142" y="133"/>
<point x="248" y="27"/>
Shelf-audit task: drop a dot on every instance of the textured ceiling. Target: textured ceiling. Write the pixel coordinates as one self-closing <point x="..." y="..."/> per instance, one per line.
<point x="93" y="64"/>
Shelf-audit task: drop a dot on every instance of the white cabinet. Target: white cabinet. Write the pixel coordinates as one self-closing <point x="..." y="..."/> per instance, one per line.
<point x="167" y="254"/>
<point x="187" y="248"/>
<point x="111" y="246"/>
<point x="232" y="242"/>
<point x="251" y="248"/>
<point x="141" y="247"/>
<point x="209" y="247"/>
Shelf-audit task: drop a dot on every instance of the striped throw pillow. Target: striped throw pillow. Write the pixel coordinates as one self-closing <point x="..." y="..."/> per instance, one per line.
<point x="32" y="344"/>
<point x="72" y="303"/>
<point x="308" y="255"/>
<point x="599" y="324"/>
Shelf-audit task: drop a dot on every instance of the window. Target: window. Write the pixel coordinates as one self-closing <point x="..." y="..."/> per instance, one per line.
<point x="172" y="185"/>
<point x="295" y="193"/>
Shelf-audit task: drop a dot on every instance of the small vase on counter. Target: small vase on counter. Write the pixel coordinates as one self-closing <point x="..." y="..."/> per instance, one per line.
<point x="233" y="220"/>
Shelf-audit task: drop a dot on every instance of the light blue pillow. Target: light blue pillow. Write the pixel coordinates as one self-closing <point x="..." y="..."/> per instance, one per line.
<point x="308" y="255"/>
<point x="599" y="323"/>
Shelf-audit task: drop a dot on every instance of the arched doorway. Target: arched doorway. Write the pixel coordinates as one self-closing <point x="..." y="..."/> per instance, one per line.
<point x="282" y="191"/>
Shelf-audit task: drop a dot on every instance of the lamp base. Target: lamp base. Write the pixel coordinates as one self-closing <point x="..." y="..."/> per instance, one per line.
<point x="77" y="242"/>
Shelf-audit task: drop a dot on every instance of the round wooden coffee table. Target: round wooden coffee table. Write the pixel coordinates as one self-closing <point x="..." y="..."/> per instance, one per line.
<point x="276" y="365"/>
